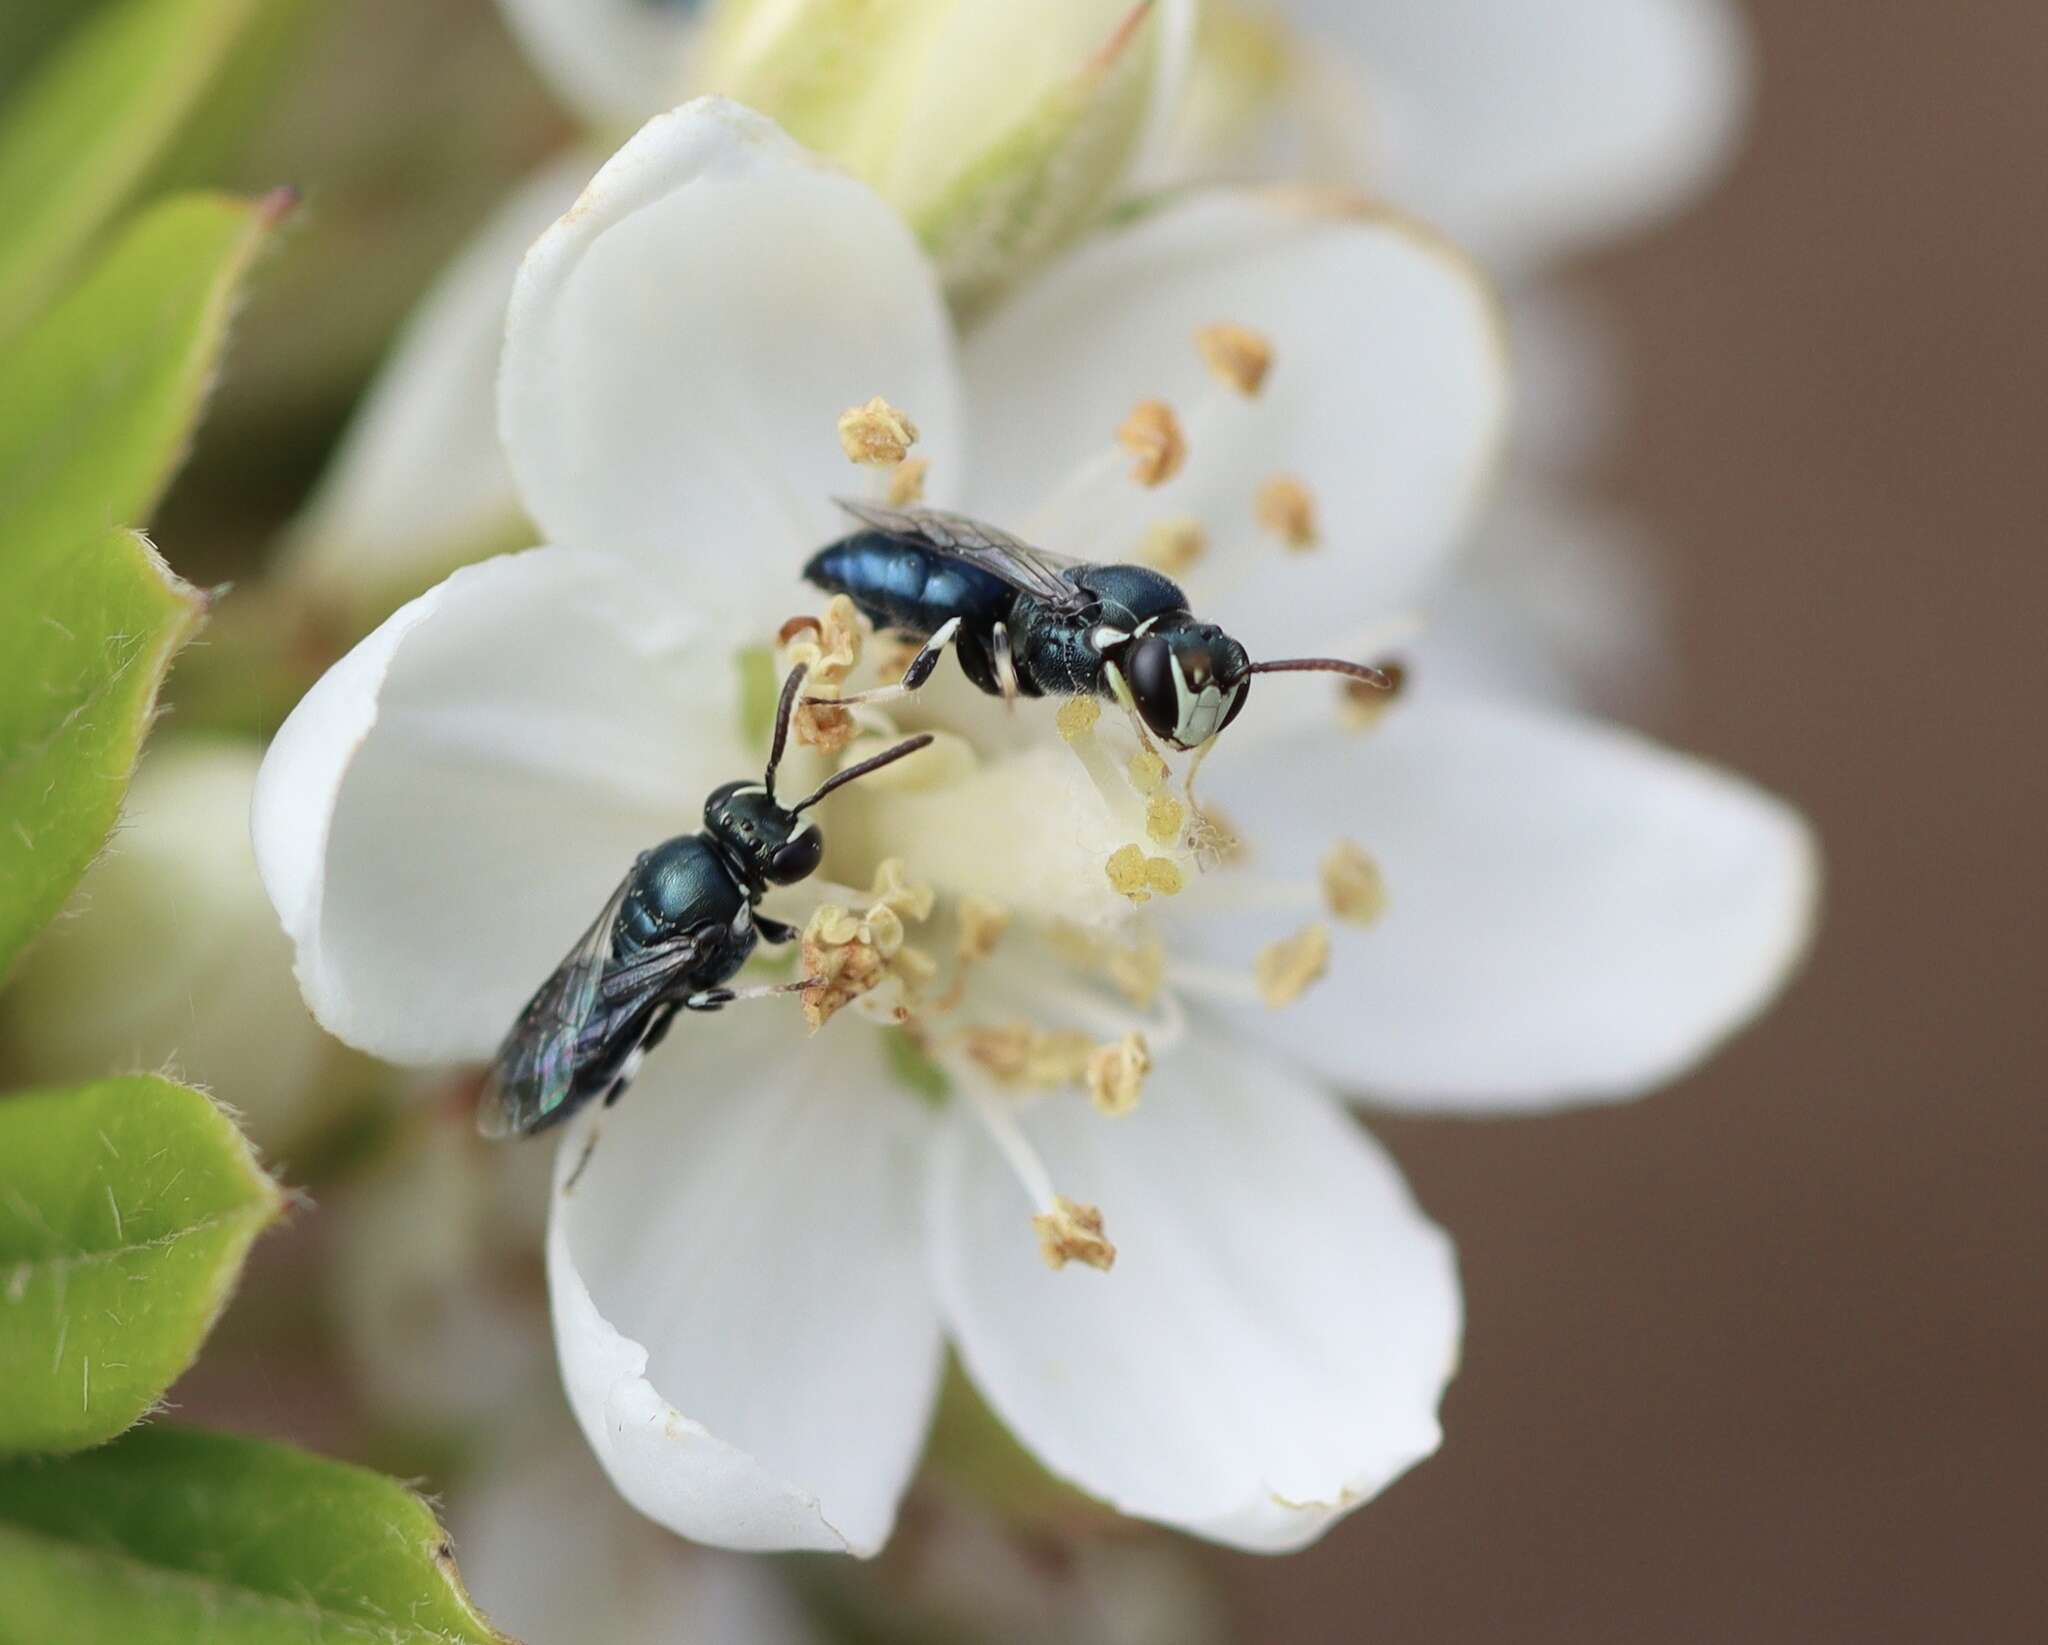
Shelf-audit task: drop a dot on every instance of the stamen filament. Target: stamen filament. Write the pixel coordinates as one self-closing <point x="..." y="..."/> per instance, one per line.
<point x="1008" y="1136"/>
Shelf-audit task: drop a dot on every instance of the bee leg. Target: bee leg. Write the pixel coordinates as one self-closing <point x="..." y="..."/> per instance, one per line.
<point x="914" y="677"/>
<point x="1006" y="664"/>
<point x="716" y="999"/>
<point x="775" y="931"/>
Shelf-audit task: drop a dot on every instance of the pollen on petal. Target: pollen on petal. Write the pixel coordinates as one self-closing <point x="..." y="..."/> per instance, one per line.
<point x="1173" y="546"/>
<point x="876" y="435"/>
<point x="1077" y="717"/>
<point x="906" y="481"/>
<point x="1072" y="1232"/>
<point x="1152" y="435"/>
<point x="1236" y="356"/>
<point x="1116" y="1074"/>
<point x="853" y="955"/>
<point x="1353" y="886"/>
<point x="1285" y="970"/>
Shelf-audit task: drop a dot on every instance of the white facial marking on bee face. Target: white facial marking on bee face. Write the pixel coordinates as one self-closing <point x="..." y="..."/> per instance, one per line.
<point x="741" y="920"/>
<point x="751" y="788"/>
<point x="1145" y="627"/>
<point x="1105" y="637"/>
<point x="802" y="828"/>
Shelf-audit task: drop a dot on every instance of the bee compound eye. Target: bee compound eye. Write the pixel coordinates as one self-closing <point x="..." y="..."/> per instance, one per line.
<point x="1148" y="666"/>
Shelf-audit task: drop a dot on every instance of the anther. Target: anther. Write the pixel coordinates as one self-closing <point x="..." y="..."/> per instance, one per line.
<point x="1072" y="1232"/>
<point x="876" y="435"/>
<point x="1077" y="717"/>
<point x="1173" y="546"/>
<point x="1116" y="1074"/>
<point x="1164" y="816"/>
<point x="1152" y="435"/>
<point x="1285" y="970"/>
<point x="1237" y="356"/>
<point x="1352" y="884"/>
<point x="1287" y="508"/>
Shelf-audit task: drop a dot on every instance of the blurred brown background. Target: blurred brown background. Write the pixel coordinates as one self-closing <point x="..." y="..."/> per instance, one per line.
<point x="1760" y="1358"/>
<point x="1765" y="1358"/>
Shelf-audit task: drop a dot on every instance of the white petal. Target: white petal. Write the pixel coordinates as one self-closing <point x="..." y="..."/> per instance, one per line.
<point x="613" y="61"/>
<point x="1574" y="913"/>
<point x="419" y="480"/>
<point x="1523" y="128"/>
<point x="552" y="1556"/>
<point x="1268" y="1351"/>
<point x="446" y="809"/>
<point x="745" y="1327"/>
<point x="1387" y="396"/>
<point x="680" y="347"/>
<point x="1560" y="600"/>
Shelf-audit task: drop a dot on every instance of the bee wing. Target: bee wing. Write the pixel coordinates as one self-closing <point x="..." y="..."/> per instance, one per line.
<point x="536" y="1065"/>
<point x="1022" y="565"/>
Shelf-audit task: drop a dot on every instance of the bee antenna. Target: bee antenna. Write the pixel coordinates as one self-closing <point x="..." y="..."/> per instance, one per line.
<point x="1379" y="677"/>
<point x="783" y="710"/>
<point x="888" y="756"/>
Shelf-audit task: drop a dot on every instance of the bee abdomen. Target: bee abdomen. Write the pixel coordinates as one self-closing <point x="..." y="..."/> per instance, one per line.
<point x="898" y="585"/>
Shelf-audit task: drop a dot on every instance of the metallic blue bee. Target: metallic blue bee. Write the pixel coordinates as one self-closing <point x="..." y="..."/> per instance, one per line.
<point x="680" y="924"/>
<point x="1028" y="623"/>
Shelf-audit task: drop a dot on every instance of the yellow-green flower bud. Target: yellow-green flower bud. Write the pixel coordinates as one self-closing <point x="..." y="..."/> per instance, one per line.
<point x="998" y="129"/>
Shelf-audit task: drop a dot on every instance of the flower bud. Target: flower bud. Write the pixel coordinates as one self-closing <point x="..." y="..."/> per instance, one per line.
<point x="171" y="958"/>
<point x="997" y="129"/>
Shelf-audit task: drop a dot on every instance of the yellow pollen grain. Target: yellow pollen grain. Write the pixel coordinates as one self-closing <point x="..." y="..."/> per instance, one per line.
<point x="1353" y="886"/>
<point x="1164" y="877"/>
<point x="1072" y="1232"/>
<point x="1236" y="356"/>
<point x="1077" y="717"/>
<point x="1287" y="508"/>
<point x="1126" y="870"/>
<point x="1116" y="1074"/>
<point x="1148" y="772"/>
<point x="906" y="481"/>
<point x="1173" y="546"/>
<point x="876" y="435"/>
<point x="1021" y="1055"/>
<point x="1152" y="435"/>
<point x="1163" y="818"/>
<point x="1285" y="970"/>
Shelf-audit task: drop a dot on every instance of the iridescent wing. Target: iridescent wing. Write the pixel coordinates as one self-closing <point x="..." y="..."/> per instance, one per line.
<point x="535" y="1069"/>
<point x="1022" y="565"/>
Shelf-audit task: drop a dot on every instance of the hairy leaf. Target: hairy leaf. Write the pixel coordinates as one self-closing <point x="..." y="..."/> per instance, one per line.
<point x="170" y="1535"/>
<point x="126" y="1208"/>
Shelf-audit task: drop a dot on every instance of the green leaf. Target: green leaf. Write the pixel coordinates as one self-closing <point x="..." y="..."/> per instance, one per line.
<point x="170" y="1536"/>
<point x="126" y="1208"/>
<point x="102" y="397"/>
<point x="75" y="143"/>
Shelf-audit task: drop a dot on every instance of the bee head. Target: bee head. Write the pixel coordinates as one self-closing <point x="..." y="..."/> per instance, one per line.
<point x="1188" y="681"/>
<point x="773" y="844"/>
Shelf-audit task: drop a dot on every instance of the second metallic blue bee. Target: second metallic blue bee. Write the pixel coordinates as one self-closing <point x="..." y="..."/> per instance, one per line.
<point x="1028" y="623"/>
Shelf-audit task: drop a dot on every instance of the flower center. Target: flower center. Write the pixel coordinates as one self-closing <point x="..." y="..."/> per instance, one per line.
<point x="1024" y="873"/>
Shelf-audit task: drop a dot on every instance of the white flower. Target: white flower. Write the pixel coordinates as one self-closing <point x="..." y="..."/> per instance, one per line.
<point x="754" y="1275"/>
